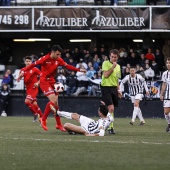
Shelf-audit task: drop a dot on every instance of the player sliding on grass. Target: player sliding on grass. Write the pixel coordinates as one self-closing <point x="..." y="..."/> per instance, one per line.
<point x="31" y="82"/>
<point x="49" y="64"/>
<point x="88" y="127"/>
<point x="165" y="93"/>
<point x="136" y="83"/>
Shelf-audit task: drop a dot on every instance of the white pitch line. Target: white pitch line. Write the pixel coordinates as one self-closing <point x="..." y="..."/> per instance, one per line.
<point x="92" y="141"/>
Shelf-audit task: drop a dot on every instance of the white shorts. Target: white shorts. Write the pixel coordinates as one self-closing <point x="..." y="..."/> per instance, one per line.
<point x="136" y="97"/>
<point x="166" y="103"/>
<point x="84" y="122"/>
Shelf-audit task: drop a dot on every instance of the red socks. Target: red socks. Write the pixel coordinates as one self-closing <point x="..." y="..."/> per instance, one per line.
<point x="38" y="110"/>
<point x="31" y="107"/>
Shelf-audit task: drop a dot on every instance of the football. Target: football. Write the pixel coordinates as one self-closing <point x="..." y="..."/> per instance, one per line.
<point x="58" y="87"/>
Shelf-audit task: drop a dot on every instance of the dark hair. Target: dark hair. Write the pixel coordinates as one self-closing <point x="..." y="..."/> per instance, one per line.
<point x="132" y="67"/>
<point x="168" y="59"/>
<point x="103" y="109"/>
<point x="28" y="58"/>
<point x="114" y="51"/>
<point x="56" y="48"/>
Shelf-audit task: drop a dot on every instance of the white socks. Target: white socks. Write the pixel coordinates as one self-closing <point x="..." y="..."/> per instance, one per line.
<point x="140" y="115"/>
<point x="167" y="117"/>
<point x="135" y="112"/>
<point x="64" y="114"/>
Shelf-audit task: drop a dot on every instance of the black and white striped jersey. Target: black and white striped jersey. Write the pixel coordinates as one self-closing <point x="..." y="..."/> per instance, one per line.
<point x="166" y="79"/>
<point x="136" y="84"/>
<point x="94" y="126"/>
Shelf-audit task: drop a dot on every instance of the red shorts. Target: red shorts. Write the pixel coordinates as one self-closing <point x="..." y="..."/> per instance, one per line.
<point x="47" y="87"/>
<point x="32" y="93"/>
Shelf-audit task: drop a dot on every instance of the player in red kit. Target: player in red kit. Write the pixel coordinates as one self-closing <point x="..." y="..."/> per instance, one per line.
<point x="31" y="82"/>
<point x="49" y="64"/>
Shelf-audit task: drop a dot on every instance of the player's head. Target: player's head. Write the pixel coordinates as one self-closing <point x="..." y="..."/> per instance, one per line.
<point x="114" y="54"/>
<point x="132" y="71"/>
<point x="56" y="51"/>
<point x="28" y="60"/>
<point x="168" y="63"/>
<point x="103" y="110"/>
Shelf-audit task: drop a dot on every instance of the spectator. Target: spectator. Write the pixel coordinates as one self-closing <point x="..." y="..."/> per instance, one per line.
<point x="6" y="79"/>
<point x="82" y="83"/>
<point x="66" y="58"/>
<point x="159" y="58"/>
<point x="87" y="57"/>
<point x="81" y="63"/>
<point x="150" y="56"/>
<point x="90" y="73"/>
<point x="155" y="67"/>
<point x="71" y="83"/>
<point x="166" y="50"/>
<point x="148" y="2"/>
<point x="149" y="73"/>
<point x="95" y="51"/>
<point x="96" y="2"/>
<point x="96" y="62"/>
<point x="67" y="2"/>
<point x="96" y="86"/>
<point x="6" y="2"/>
<point x="4" y="98"/>
<point x="77" y="55"/>
<point x="11" y="83"/>
<point x="133" y="59"/>
<point x="61" y="76"/>
<point x="71" y="62"/>
<point x="126" y="72"/>
<point x="113" y="2"/>
<point x="142" y="60"/>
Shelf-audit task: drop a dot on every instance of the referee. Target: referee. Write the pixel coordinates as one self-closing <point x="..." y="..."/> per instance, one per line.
<point x="110" y="84"/>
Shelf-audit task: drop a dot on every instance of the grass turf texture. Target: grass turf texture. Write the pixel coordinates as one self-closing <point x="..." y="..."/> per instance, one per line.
<point x="26" y="146"/>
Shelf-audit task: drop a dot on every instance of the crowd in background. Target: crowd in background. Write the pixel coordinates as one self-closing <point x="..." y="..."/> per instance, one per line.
<point x="149" y="62"/>
<point x="96" y="2"/>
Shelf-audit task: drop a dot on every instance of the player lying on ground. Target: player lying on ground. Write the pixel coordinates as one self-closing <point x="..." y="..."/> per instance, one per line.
<point x="88" y="126"/>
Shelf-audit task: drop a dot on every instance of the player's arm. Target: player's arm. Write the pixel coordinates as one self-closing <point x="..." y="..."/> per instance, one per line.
<point x="122" y="83"/>
<point x="38" y="62"/>
<point x="162" y="91"/>
<point x="21" y="74"/>
<point x="107" y="73"/>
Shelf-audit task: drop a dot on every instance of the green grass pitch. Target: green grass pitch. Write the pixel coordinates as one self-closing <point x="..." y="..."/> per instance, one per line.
<point x="26" y="146"/>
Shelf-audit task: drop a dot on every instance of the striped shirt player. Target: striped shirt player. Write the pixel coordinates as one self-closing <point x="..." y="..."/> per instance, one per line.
<point x="165" y="93"/>
<point x="166" y="79"/>
<point x="88" y="126"/>
<point x="136" y="85"/>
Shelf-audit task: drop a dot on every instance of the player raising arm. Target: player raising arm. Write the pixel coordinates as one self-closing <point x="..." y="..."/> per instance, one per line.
<point x="49" y="64"/>
<point x="88" y="126"/>
<point x="165" y="93"/>
<point x="31" y="82"/>
<point x="135" y="83"/>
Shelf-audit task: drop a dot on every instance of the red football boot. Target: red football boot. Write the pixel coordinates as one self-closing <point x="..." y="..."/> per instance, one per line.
<point x="43" y="124"/>
<point x="60" y="127"/>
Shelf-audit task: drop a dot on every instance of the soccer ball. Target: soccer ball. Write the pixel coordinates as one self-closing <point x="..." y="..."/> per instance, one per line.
<point x="3" y="114"/>
<point x="58" y="87"/>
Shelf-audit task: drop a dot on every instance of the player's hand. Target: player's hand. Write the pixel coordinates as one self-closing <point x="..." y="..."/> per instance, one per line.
<point x="18" y="79"/>
<point x="83" y="70"/>
<point x="161" y="98"/>
<point x="120" y="94"/>
<point x="114" y="64"/>
<point x="36" y="84"/>
<point x="102" y="103"/>
<point x="147" y="93"/>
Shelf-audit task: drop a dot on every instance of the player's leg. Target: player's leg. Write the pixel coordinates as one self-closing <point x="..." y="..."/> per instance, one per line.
<point x="74" y="128"/>
<point x="107" y="97"/>
<point x="138" y="98"/>
<point x="28" y="103"/>
<point x="135" y="111"/>
<point x="37" y="108"/>
<point x="167" y="113"/>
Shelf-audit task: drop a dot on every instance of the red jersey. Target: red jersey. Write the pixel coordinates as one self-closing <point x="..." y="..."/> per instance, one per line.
<point x="30" y="76"/>
<point x="49" y="67"/>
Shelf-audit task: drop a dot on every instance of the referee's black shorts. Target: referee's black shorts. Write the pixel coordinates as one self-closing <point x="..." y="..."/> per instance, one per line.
<point x="109" y="95"/>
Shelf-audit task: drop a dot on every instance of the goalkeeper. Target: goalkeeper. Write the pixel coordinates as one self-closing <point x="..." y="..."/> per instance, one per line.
<point x="88" y="126"/>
